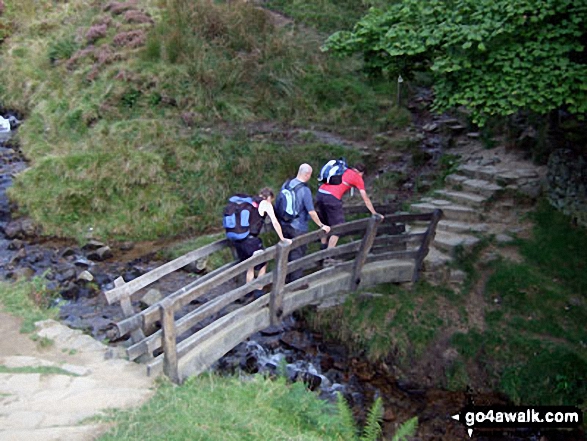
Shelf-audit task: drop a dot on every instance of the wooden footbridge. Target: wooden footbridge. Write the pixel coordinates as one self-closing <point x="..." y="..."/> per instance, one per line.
<point x="371" y="251"/>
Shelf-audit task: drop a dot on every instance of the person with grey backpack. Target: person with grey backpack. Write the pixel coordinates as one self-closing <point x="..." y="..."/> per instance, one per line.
<point x="294" y="207"/>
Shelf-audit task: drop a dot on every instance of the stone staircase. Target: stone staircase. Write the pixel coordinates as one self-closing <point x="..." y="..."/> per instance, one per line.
<point x="479" y="200"/>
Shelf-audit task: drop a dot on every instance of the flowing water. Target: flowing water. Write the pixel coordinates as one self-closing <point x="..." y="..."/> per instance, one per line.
<point x="289" y="350"/>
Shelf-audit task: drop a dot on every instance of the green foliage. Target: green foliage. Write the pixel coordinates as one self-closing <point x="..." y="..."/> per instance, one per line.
<point x="28" y="300"/>
<point x="43" y="370"/>
<point x="62" y="49"/>
<point x="534" y="343"/>
<point x="372" y="429"/>
<point x="390" y="321"/>
<point x="211" y="408"/>
<point x="406" y="430"/>
<point x="114" y="134"/>
<point x="558" y="248"/>
<point x="493" y="57"/>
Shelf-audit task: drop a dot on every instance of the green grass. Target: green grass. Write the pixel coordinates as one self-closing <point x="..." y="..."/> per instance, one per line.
<point x="393" y="321"/>
<point x="27" y="300"/>
<point x="535" y="341"/>
<point x="147" y="142"/>
<point x="533" y="344"/>
<point x="210" y="408"/>
<point x="43" y="370"/>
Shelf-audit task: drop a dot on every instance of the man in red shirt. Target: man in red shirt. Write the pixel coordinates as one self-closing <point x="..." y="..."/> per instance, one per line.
<point x="329" y="199"/>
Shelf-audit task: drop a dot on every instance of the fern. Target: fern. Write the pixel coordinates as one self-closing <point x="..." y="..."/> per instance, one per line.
<point x="372" y="429"/>
<point x="407" y="429"/>
<point x="349" y="428"/>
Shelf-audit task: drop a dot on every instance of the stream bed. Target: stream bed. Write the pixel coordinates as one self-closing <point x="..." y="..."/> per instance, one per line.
<point x="80" y="273"/>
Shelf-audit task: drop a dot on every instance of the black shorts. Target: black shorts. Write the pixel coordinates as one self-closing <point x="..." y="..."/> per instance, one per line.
<point x="247" y="247"/>
<point x="329" y="209"/>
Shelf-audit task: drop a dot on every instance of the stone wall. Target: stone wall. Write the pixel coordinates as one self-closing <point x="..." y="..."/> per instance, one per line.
<point x="567" y="184"/>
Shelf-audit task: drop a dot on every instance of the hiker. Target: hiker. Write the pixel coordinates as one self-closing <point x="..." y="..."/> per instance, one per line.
<point x="251" y="244"/>
<point x="329" y="200"/>
<point x="303" y="210"/>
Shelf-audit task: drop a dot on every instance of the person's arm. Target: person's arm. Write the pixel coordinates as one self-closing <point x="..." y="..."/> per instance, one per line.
<point x="316" y="219"/>
<point x="266" y="208"/>
<point x="368" y="202"/>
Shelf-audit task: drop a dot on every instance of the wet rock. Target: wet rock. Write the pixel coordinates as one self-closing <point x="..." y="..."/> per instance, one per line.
<point x="126" y="246"/>
<point x="86" y="276"/>
<point x="65" y="274"/>
<point x="93" y="245"/>
<point x="151" y="297"/>
<point x="102" y="279"/>
<point x="272" y="330"/>
<point x="295" y="340"/>
<point x="69" y="291"/>
<point x="13" y="230"/>
<point x="16" y="244"/>
<point x="20" y="255"/>
<point x="100" y="254"/>
<point x="67" y="252"/>
<point x="503" y="239"/>
<point x="24" y="273"/>
<point x="82" y="262"/>
<point x="311" y="380"/>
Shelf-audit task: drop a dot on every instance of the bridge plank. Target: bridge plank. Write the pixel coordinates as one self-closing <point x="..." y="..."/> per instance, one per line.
<point x="147" y="317"/>
<point x="364" y="249"/>
<point x="279" y="276"/>
<point x="133" y="286"/>
<point x="203" y="288"/>
<point x="191" y="319"/>
<point x="169" y="339"/>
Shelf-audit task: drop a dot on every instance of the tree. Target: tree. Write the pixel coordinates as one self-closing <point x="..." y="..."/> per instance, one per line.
<point x="494" y="57"/>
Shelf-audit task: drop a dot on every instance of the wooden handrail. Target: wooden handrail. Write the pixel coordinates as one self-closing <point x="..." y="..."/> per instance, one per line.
<point x="133" y="286"/>
<point x="371" y="240"/>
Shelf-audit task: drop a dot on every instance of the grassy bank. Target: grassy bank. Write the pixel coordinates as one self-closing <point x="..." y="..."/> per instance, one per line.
<point x="530" y="342"/>
<point x="216" y="408"/>
<point x="142" y="132"/>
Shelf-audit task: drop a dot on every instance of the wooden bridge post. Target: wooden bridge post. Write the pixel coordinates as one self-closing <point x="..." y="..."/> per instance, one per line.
<point x="366" y="245"/>
<point x="425" y="246"/>
<point x="169" y="340"/>
<point x="126" y="306"/>
<point x="279" y="274"/>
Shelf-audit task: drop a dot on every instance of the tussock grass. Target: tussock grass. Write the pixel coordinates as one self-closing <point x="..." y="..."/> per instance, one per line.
<point x="214" y="408"/>
<point x="118" y="113"/>
<point x="28" y="300"/>
<point x="532" y="345"/>
<point x="388" y="320"/>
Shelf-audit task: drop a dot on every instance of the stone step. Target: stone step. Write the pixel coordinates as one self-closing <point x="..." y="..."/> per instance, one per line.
<point x="435" y="260"/>
<point x="498" y="175"/>
<point x="461" y="227"/>
<point x="464" y="198"/>
<point x="450" y="211"/>
<point x="476" y="186"/>
<point x="448" y="242"/>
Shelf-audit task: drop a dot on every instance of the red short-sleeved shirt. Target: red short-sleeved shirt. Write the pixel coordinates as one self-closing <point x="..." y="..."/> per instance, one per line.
<point x="350" y="178"/>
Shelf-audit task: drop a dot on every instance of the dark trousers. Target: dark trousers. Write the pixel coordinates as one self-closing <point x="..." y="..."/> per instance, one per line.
<point x="294" y="254"/>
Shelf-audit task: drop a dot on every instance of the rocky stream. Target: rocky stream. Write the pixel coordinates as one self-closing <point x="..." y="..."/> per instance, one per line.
<point x="79" y="273"/>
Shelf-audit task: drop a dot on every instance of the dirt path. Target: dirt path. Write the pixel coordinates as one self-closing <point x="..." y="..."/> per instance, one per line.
<point x="56" y="406"/>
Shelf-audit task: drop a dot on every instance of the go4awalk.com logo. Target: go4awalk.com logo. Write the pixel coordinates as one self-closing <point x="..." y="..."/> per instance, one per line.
<point x="510" y="417"/>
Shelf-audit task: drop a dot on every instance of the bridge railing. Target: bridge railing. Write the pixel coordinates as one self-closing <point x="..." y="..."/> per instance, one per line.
<point x="362" y="241"/>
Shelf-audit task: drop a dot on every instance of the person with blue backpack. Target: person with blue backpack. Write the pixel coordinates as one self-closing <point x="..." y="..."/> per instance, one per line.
<point x="243" y="219"/>
<point x="294" y="208"/>
<point x="337" y="179"/>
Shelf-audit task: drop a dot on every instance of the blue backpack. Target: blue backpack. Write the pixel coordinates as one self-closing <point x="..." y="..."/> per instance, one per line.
<point x="287" y="206"/>
<point x="331" y="172"/>
<point x="238" y="215"/>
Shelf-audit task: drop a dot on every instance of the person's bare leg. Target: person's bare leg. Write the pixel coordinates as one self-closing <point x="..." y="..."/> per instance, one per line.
<point x="332" y="241"/>
<point x="250" y="274"/>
